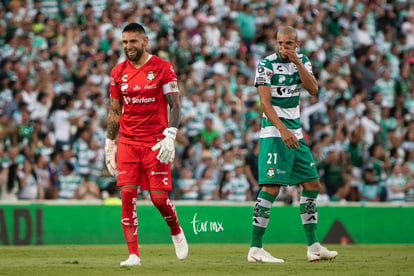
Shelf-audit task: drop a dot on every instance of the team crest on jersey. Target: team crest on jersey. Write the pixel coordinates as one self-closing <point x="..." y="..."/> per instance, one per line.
<point x="150" y="76"/>
<point x="282" y="78"/>
<point x="270" y="173"/>
<point x="112" y="82"/>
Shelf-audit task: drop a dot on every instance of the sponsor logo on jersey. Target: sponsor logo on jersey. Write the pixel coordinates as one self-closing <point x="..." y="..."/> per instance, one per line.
<point x="286" y="90"/>
<point x="152" y="86"/>
<point x="142" y="100"/>
<point x="124" y="78"/>
<point x="172" y="69"/>
<point x="150" y="76"/>
<point x="136" y="87"/>
<point x="260" y="69"/>
<point x="124" y="87"/>
<point x="270" y="173"/>
<point x="284" y="68"/>
<point x="260" y="80"/>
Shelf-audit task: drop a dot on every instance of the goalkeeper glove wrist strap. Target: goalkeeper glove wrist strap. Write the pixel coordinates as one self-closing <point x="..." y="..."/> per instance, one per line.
<point x="109" y="143"/>
<point x="170" y="132"/>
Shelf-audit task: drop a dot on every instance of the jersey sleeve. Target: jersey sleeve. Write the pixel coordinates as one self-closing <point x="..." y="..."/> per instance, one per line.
<point x="264" y="73"/>
<point x="170" y="80"/>
<point x="113" y="87"/>
<point x="307" y="63"/>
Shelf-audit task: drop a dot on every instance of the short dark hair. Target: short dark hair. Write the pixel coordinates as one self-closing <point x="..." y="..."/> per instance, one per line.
<point x="134" y="27"/>
<point x="69" y="166"/>
<point x="112" y="188"/>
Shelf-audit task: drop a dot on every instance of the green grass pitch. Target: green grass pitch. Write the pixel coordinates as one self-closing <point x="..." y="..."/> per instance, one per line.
<point x="203" y="259"/>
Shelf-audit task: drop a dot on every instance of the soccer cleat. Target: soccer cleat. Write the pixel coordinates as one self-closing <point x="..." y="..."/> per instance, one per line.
<point x="180" y="244"/>
<point x="133" y="260"/>
<point x="322" y="255"/>
<point x="257" y="254"/>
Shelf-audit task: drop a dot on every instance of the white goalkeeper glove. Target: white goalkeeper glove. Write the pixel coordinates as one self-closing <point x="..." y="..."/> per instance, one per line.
<point x="166" y="146"/>
<point x="110" y="156"/>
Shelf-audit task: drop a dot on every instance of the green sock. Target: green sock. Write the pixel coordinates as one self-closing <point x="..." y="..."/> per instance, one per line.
<point x="261" y="215"/>
<point x="309" y="215"/>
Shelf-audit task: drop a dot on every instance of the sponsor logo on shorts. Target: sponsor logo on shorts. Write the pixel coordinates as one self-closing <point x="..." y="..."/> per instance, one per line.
<point x="278" y="171"/>
<point x="270" y="173"/>
<point x="157" y="173"/>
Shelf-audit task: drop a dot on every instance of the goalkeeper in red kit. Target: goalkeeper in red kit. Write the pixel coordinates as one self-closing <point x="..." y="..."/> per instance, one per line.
<point x="142" y="87"/>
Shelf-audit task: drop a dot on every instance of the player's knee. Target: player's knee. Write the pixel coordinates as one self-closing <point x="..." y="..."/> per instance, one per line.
<point x="271" y="189"/>
<point x="312" y="185"/>
<point x="159" y="198"/>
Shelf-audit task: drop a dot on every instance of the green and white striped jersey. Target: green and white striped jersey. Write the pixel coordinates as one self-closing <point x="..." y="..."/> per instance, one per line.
<point x="68" y="184"/>
<point x="284" y="80"/>
<point x="237" y="186"/>
<point x="83" y="156"/>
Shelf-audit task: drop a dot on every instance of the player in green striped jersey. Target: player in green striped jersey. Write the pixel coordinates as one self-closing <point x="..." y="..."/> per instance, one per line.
<point x="284" y="157"/>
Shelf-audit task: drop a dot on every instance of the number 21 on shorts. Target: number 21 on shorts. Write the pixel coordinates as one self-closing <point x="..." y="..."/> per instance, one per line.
<point x="272" y="158"/>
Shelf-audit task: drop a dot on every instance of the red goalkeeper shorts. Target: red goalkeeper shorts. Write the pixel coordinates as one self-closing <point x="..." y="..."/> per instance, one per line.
<point x="138" y="165"/>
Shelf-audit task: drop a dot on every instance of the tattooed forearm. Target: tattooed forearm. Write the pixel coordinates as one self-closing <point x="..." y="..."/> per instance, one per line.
<point x="113" y="128"/>
<point x="114" y="117"/>
<point x="175" y="110"/>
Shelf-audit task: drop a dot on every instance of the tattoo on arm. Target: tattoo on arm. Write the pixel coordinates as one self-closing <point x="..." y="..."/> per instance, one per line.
<point x="114" y="117"/>
<point x="175" y="109"/>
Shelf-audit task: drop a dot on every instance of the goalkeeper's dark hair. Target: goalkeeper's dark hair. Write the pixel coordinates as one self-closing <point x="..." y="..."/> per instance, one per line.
<point x="134" y="27"/>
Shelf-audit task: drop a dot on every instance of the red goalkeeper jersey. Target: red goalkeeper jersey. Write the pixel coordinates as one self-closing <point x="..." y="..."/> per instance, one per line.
<point x="145" y="107"/>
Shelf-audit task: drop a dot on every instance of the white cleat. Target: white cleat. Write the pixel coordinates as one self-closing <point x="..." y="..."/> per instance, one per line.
<point x="133" y="260"/>
<point x="180" y="244"/>
<point x="322" y="255"/>
<point x="257" y="254"/>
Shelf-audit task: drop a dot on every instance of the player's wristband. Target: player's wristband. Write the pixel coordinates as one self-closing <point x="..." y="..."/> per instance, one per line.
<point x="170" y="132"/>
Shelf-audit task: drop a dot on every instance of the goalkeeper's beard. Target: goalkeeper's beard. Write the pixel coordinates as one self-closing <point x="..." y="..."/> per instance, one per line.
<point x="136" y="56"/>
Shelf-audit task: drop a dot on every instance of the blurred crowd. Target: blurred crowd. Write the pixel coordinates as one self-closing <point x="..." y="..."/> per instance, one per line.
<point x="56" y="58"/>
